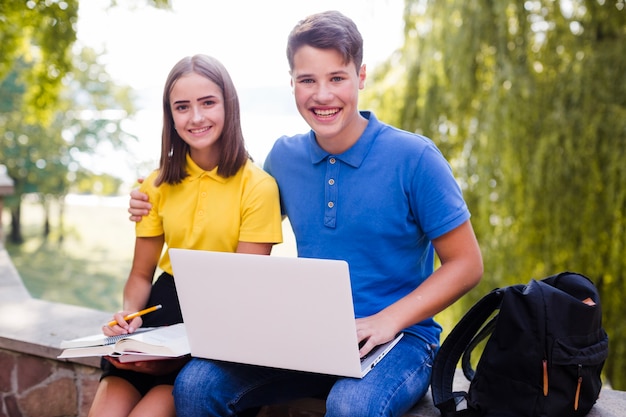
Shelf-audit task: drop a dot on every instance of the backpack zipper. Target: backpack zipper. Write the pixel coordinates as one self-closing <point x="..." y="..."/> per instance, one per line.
<point x="545" y="377"/>
<point x="580" y="382"/>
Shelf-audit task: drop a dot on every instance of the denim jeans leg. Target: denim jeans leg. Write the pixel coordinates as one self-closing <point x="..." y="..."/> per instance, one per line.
<point x="391" y="388"/>
<point x="221" y="389"/>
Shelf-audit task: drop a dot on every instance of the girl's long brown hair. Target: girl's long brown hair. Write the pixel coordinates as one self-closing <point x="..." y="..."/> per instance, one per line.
<point x="233" y="154"/>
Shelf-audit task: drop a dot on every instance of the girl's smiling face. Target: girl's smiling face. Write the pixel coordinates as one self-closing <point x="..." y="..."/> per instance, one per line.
<point x="197" y="106"/>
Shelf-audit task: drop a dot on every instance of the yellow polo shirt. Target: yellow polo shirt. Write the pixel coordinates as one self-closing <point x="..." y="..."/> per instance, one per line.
<point x="208" y="212"/>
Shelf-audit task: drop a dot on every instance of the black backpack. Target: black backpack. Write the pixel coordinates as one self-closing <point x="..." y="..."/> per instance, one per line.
<point x="543" y="358"/>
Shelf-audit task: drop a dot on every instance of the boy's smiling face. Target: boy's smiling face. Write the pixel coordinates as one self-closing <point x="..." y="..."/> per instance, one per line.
<point x="326" y="91"/>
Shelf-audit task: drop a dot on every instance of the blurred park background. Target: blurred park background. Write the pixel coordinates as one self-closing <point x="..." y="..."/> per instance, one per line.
<point x="527" y="99"/>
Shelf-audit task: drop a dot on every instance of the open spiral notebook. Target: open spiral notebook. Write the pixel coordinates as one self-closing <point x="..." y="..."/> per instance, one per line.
<point x="151" y="343"/>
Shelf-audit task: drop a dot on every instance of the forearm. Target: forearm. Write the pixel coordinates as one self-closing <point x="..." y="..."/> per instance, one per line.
<point x="445" y="286"/>
<point x="136" y="293"/>
<point x="254" y="248"/>
<point x="461" y="270"/>
<point x="139" y="282"/>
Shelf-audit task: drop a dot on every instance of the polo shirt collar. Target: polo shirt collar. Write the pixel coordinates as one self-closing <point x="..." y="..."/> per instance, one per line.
<point x="195" y="172"/>
<point x="355" y="155"/>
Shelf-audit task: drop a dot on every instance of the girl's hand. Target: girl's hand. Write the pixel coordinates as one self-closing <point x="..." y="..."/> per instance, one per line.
<point x="155" y="367"/>
<point x="121" y="326"/>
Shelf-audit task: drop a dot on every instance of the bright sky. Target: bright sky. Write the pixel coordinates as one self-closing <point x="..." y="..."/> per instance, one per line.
<point x="141" y="44"/>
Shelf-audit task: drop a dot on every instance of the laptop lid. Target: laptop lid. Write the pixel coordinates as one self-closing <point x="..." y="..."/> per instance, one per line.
<point x="291" y="313"/>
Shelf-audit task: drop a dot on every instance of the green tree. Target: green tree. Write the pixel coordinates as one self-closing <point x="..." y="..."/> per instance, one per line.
<point x="53" y="105"/>
<point x="528" y="101"/>
<point x="45" y="158"/>
<point x="40" y="33"/>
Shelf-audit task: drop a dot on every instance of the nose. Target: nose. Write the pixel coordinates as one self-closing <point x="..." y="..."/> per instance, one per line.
<point x="197" y="115"/>
<point x="323" y="93"/>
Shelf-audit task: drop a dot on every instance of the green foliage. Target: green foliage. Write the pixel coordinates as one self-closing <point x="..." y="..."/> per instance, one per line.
<point x="56" y="104"/>
<point x="527" y="99"/>
<point x="100" y="184"/>
<point x="89" y="111"/>
<point x="41" y="34"/>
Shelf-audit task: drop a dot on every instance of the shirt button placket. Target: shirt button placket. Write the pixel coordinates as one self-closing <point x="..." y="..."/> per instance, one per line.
<point x="330" y="192"/>
<point x="201" y="204"/>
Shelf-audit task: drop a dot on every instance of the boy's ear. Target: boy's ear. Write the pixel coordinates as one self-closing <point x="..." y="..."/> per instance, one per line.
<point x="362" y="76"/>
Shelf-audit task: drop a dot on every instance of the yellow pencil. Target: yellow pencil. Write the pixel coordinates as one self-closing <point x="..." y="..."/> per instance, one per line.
<point x="137" y="314"/>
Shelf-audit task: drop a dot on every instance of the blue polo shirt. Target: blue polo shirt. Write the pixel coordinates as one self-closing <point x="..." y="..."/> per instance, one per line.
<point x="377" y="206"/>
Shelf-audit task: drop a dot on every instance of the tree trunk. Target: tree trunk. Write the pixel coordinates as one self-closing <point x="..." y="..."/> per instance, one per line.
<point x="46" y="215"/>
<point x="15" y="235"/>
<point x="61" y="218"/>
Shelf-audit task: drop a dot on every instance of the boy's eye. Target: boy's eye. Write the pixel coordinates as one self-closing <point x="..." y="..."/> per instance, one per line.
<point x="337" y="79"/>
<point x="306" y="81"/>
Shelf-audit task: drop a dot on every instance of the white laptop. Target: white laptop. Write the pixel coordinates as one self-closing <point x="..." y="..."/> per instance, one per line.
<point x="291" y="313"/>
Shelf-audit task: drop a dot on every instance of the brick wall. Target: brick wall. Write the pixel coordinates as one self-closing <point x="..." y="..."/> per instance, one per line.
<point x="39" y="387"/>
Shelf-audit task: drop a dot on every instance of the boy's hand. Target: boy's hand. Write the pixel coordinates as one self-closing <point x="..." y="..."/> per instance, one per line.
<point x="139" y="205"/>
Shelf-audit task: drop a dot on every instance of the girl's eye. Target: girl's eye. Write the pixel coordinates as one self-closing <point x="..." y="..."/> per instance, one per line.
<point x="181" y="107"/>
<point x="209" y="102"/>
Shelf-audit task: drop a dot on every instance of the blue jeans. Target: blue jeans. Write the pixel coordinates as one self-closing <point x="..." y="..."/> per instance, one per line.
<point x="219" y="389"/>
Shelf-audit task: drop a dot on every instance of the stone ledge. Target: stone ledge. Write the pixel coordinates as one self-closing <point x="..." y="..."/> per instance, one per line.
<point x="37" y="327"/>
<point x="13" y="289"/>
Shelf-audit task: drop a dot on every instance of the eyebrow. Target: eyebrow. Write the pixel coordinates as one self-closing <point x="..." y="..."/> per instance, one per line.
<point x="206" y="97"/>
<point x="331" y="74"/>
<point x="199" y="99"/>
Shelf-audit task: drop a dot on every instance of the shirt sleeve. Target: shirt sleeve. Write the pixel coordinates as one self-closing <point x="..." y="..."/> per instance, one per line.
<point x="438" y="200"/>
<point x="261" y="218"/>
<point x="150" y="225"/>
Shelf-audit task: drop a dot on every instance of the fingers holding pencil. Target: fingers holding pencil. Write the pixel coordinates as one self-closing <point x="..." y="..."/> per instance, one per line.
<point x="136" y="314"/>
<point x="123" y="321"/>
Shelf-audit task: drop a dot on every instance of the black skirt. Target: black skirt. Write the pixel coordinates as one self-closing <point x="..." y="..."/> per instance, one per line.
<point x="163" y="292"/>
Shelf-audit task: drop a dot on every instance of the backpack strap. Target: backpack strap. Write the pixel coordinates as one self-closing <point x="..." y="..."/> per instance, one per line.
<point x="453" y="347"/>
<point x="484" y="333"/>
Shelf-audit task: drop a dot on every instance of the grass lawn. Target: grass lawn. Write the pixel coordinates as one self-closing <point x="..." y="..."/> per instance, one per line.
<point x="88" y="266"/>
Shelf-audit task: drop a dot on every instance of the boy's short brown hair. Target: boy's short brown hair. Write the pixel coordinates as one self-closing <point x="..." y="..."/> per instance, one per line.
<point x="327" y="30"/>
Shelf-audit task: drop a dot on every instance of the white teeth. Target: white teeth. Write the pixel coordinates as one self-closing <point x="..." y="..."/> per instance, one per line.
<point x="204" y="129"/>
<point x="326" y="112"/>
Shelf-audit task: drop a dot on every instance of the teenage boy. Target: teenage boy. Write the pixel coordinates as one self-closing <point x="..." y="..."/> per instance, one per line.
<point x="382" y="199"/>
